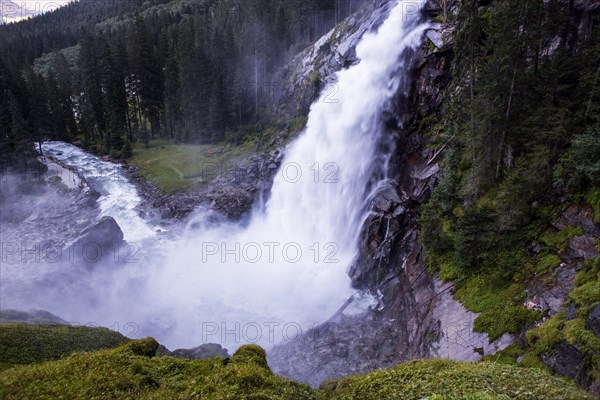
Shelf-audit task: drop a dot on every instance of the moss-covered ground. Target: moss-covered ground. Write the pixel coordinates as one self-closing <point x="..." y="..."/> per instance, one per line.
<point x="173" y="167"/>
<point x="132" y="371"/>
<point x="445" y="379"/>
<point x="28" y="344"/>
<point x="129" y="372"/>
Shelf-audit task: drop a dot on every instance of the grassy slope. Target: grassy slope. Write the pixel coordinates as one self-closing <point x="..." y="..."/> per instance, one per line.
<point x="175" y="167"/>
<point x="445" y="379"/>
<point x="127" y="373"/>
<point x="131" y="371"/>
<point x="27" y="344"/>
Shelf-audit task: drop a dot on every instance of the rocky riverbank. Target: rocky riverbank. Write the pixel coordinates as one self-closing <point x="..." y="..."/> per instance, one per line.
<point x="231" y="194"/>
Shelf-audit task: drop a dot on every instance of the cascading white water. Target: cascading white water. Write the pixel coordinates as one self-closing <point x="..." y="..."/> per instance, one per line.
<point x="286" y="270"/>
<point x="289" y="265"/>
<point x="119" y="197"/>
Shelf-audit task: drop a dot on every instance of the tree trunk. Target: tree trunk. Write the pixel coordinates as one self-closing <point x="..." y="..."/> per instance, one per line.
<point x="255" y="82"/>
<point x="445" y="11"/>
<point x="506" y="116"/>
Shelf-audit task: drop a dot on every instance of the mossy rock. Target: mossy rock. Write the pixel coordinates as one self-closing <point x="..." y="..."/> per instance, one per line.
<point x="144" y="347"/>
<point x="573" y="330"/>
<point x="251" y="354"/>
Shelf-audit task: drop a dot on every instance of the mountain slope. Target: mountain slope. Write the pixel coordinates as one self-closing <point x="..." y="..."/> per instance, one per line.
<point x="15" y="11"/>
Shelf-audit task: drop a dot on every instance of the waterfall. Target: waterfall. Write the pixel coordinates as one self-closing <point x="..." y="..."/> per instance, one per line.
<point x="285" y="270"/>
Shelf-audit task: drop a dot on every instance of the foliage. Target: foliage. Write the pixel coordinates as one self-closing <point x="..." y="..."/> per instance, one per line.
<point x="131" y="371"/>
<point x="27" y="344"/>
<point x="188" y="70"/>
<point x="522" y="115"/>
<point x="445" y="379"/>
<point x="559" y="328"/>
<point x="579" y="166"/>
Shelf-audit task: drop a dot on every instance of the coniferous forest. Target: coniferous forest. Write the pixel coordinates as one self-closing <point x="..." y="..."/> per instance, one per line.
<point x="117" y="72"/>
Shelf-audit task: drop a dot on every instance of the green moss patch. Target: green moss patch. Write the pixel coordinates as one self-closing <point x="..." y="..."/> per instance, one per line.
<point x="445" y="379"/>
<point x="173" y="167"/>
<point x="500" y="305"/>
<point x="547" y="263"/>
<point x="560" y="239"/>
<point x="127" y="372"/>
<point x="545" y="338"/>
<point x="27" y="344"/>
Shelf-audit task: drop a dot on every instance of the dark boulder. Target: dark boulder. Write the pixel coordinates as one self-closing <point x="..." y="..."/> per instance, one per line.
<point x="567" y="360"/>
<point x="594" y="320"/>
<point x="96" y="242"/>
<point x="92" y="197"/>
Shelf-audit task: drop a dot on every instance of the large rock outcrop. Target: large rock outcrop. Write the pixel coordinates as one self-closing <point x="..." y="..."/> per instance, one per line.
<point x="232" y="194"/>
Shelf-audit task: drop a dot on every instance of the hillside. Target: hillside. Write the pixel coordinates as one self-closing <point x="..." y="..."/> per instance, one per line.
<point x="15" y="11"/>
<point x="133" y="370"/>
<point x="114" y="73"/>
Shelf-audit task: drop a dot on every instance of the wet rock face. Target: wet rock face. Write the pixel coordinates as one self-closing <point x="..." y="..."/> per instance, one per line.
<point x="594" y="320"/>
<point x="312" y="71"/>
<point x="567" y="360"/>
<point x="349" y="345"/>
<point x="379" y="233"/>
<point x="234" y="194"/>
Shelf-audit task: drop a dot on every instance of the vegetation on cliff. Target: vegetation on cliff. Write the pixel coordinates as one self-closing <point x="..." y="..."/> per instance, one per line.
<point x="521" y="135"/>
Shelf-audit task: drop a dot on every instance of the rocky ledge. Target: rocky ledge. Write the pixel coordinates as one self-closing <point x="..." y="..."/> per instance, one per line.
<point x="232" y="194"/>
